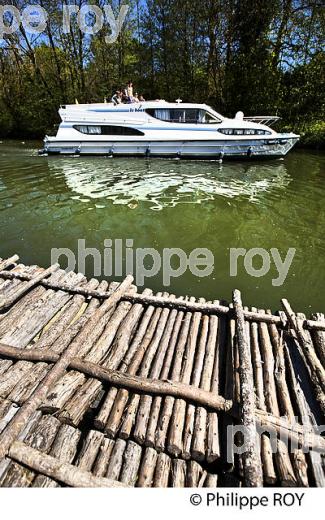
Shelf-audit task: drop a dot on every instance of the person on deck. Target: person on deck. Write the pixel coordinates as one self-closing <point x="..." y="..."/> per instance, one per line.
<point x="129" y="91"/>
<point x="117" y="98"/>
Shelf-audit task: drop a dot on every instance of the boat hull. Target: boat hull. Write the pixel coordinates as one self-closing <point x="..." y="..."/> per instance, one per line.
<point x="209" y="149"/>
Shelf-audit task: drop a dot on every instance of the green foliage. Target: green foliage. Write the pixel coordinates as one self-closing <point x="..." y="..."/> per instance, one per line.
<point x="313" y="135"/>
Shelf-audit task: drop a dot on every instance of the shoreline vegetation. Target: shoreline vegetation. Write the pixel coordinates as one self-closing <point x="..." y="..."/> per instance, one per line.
<point x="257" y="56"/>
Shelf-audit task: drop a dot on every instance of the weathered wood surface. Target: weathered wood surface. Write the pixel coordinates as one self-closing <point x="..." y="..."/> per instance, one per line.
<point x="180" y="303"/>
<point x="252" y="462"/>
<point x="31" y="405"/>
<point x="56" y="469"/>
<point x="163" y="377"/>
<point x="200" y="397"/>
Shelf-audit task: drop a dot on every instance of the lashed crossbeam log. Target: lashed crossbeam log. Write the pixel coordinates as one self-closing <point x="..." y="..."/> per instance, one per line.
<point x="192" y="394"/>
<point x="8" y="262"/>
<point x="56" y="469"/>
<point x="10" y="299"/>
<point x="57" y="371"/>
<point x="252" y="463"/>
<point x="206" y="308"/>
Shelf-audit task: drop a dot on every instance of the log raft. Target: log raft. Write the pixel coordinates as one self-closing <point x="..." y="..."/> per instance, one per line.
<point x="102" y="386"/>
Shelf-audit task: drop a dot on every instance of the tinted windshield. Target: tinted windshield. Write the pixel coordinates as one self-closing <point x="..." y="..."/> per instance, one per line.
<point x="182" y="115"/>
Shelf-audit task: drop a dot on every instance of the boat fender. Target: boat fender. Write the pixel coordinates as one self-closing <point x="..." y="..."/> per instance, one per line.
<point x="221" y="156"/>
<point x="147" y="151"/>
<point x="249" y="152"/>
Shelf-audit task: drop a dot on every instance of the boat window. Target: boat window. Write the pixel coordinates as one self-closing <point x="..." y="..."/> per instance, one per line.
<point x="182" y="115"/>
<point x="84" y="129"/>
<point x="243" y="131"/>
<point x="107" y="130"/>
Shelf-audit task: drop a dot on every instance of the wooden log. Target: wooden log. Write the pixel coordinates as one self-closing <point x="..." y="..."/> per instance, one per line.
<point x="40" y="438"/>
<point x="62" y="390"/>
<point x="251" y="458"/>
<point x="298" y="458"/>
<point x="145" y="352"/>
<point x="157" y="401"/>
<point x="73" y="412"/>
<point x="22" y="322"/>
<point x="6" y="286"/>
<point x="147" y="468"/>
<point x="101" y="349"/>
<point x="195" y="475"/>
<point x="25" y="387"/>
<point x="30" y="406"/>
<point x="154" y="371"/>
<point x="317" y="371"/>
<point x="197" y="396"/>
<point x="101" y="464"/>
<point x="40" y="307"/>
<point x="167" y="409"/>
<point x="75" y="409"/>
<point x="266" y="447"/>
<point x="120" y="341"/>
<point x="281" y="455"/>
<point x="218" y="338"/>
<point x="319" y="339"/>
<point x="133" y="320"/>
<point x="176" y="428"/>
<point x="63" y="393"/>
<point x="178" y="474"/>
<point x="66" y="386"/>
<point x="135" y="383"/>
<point x="89" y="450"/>
<point x="8" y="262"/>
<point x="12" y="298"/>
<point x="161" y="478"/>
<point x="87" y="292"/>
<point x="198" y="373"/>
<point x="64" y="448"/>
<point x="116" y="460"/>
<point x="131" y="463"/>
<point x="165" y="302"/>
<point x="314" y="458"/>
<point x="72" y="309"/>
<point x="10" y="379"/>
<point x="54" y="468"/>
<point x="227" y="422"/>
<point x="5" y="463"/>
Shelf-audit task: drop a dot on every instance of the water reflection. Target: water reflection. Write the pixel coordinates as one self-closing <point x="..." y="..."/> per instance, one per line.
<point x="166" y="183"/>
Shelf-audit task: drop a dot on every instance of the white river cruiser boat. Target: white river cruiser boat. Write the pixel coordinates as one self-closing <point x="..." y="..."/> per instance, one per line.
<point x="163" y="129"/>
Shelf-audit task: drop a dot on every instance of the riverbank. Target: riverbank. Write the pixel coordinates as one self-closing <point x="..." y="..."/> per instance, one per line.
<point x="312" y="136"/>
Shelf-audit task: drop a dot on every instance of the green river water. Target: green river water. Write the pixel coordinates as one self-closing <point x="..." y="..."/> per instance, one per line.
<point x="52" y="202"/>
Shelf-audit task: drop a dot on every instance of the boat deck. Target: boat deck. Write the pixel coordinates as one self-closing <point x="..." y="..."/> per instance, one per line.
<point x="103" y="386"/>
